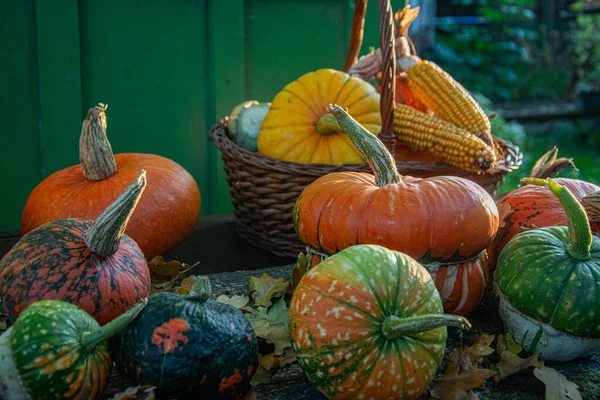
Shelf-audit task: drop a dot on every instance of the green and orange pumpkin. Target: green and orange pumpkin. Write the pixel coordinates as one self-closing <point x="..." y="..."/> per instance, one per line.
<point x="443" y="222"/>
<point x="166" y="214"/>
<point x="91" y="264"/>
<point x="368" y="323"/>
<point x="189" y="347"/>
<point x="56" y="350"/>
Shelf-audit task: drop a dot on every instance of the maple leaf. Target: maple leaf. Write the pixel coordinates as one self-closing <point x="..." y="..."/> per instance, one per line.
<point x="265" y="288"/>
<point x="507" y="343"/>
<point x="458" y="386"/>
<point x="136" y="393"/>
<point x="558" y="387"/>
<point x="235" y="300"/>
<point x="512" y="364"/>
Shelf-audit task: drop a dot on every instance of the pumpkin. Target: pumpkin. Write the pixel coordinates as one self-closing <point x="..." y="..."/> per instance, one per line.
<point x="166" y="215"/>
<point x="298" y="128"/>
<point x="533" y="206"/>
<point x="91" y="264"/>
<point x="368" y="323"/>
<point x="56" y="350"/>
<point x="548" y="281"/>
<point x="244" y="123"/>
<point x="188" y="346"/>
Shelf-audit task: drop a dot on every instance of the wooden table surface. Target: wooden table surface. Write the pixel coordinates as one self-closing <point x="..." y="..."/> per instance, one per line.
<point x="229" y="262"/>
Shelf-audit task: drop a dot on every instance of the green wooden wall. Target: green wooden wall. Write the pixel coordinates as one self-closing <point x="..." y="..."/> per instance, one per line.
<point x="168" y="69"/>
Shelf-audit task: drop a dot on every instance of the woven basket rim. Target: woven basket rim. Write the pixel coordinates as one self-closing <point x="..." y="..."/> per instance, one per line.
<point x="218" y="133"/>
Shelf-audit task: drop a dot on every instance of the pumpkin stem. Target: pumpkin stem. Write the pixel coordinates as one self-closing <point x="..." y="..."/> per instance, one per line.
<point x="95" y="153"/>
<point x="92" y="339"/>
<point x="201" y="290"/>
<point x="327" y="125"/>
<point x="578" y="223"/>
<point x="395" y="327"/>
<point x="105" y="234"/>
<point x="591" y="205"/>
<point x="377" y="155"/>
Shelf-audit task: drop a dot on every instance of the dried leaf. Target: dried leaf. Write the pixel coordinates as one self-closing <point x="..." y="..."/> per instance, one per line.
<point x="507" y="343"/>
<point x="461" y="358"/>
<point x="512" y="364"/>
<point x="299" y="270"/>
<point x="186" y="285"/>
<point x="457" y="386"/>
<point x="558" y="387"/>
<point x="266" y="287"/>
<point x="276" y="334"/>
<point x="287" y="357"/>
<point x="269" y="361"/>
<point x="235" y="300"/>
<point x="249" y="394"/>
<point x="165" y="276"/>
<point x="262" y="375"/>
<point x="481" y="347"/>
<point x="136" y="393"/>
<point x="403" y="18"/>
<point x="548" y="166"/>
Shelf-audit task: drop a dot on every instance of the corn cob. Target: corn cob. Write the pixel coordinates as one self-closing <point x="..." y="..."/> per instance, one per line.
<point x="448" y="99"/>
<point x="431" y="135"/>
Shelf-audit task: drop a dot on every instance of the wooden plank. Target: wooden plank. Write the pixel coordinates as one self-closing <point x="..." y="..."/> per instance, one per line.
<point x="226" y="35"/>
<point x="59" y="70"/>
<point x="19" y="114"/>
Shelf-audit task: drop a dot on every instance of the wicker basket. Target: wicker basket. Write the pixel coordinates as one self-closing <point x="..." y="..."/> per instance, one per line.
<point x="264" y="190"/>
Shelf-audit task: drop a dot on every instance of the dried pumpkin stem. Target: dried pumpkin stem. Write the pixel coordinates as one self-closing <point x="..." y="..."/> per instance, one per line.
<point x="95" y="153"/>
<point x="92" y="339"/>
<point x="395" y="327"/>
<point x="327" y="125"/>
<point x="202" y="289"/>
<point x="105" y="234"/>
<point x="580" y="234"/>
<point x="377" y="155"/>
<point x="591" y="205"/>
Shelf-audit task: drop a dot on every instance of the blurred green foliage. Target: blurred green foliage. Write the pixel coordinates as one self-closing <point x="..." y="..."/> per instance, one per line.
<point x="586" y="47"/>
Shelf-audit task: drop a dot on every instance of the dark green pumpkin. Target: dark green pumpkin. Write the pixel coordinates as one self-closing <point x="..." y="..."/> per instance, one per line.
<point x="56" y="350"/>
<point x="549" y="284"/>
<point x="245" y="121"/>
<point x="189" y="347"/>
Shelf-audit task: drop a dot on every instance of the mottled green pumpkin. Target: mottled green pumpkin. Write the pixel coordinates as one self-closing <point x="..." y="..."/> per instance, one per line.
<point x="56" y="350"/>
<point x="549" y="284"/>
<point x="189" y="347"/>
<point x="367" y="323"/>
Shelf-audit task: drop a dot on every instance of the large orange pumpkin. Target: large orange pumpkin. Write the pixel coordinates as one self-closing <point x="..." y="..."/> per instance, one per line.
<point x="443" y="220"/>
<point x="165" y="215"/>
<point x="298" y="127"/>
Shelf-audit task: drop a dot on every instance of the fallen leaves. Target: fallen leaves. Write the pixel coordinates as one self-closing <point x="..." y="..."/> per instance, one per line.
<point x="136" y="393"/>
<point x="237" y="301"/>
<point x="170" y="276"/>
<point x="557" y="385"/>
<point x="265" y="288"/>
<point x="512" y="364"/>
<point x="457" y="384"/>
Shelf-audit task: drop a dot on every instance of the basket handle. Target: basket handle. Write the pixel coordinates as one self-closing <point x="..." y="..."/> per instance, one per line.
<point x="387" y="44"/>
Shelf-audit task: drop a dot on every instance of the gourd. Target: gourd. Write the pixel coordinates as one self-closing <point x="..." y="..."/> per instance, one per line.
<point x="188" y="346"/>
<point x="166" y="215"/>
<point x="244" y="123"/>
<point x="439" y="221"/>
<point x="368" y="323"/>
<point x="298" y="128"/>
<point x="56" y="350"/>
<point x="532" y="206"/>
<point x="548" y="281"/>
<point x="91" y="264"/>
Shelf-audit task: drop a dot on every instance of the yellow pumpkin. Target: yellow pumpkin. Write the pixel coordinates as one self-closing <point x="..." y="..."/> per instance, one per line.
<point x="299" y="128"/>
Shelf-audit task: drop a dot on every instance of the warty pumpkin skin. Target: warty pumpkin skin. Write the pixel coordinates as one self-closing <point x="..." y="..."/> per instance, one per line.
<point x="165" y="215"/>
<point x="443" y="218"/>
<point x="368" y="323"/>
<point x="533" y="206"/>
<point x="298" y="127"/>
<point x="91" y="264"/>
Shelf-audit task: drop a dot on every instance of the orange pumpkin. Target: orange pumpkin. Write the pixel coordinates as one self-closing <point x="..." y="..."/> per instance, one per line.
<point x="165" y="215"/>
<point x="299" y="129"/>
<point x="442" y="220"/>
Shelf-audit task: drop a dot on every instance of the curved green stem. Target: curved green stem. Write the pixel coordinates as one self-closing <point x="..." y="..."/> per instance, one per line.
<point x="591" y="205"/>
<point x="105" y="234"/>
<point x="202" y="289"/>
<point x="92" y="339"/>
<point x="95" y="153"/>
<point x="376" y="154"/>
<point x="327" y="125"/>
<point x="395" y="327"/>
<point x="578" y="223"/>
